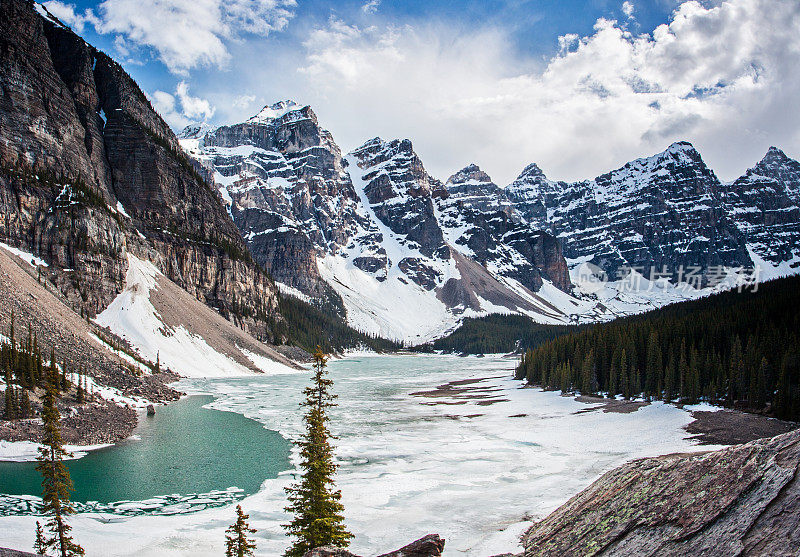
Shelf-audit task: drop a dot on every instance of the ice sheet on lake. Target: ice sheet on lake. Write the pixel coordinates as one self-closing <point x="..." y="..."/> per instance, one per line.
<point x="470" y="468"/>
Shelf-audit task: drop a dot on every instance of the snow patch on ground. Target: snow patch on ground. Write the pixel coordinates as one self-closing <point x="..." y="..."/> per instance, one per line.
<point x="290" y="291"/>
<point x="268" y="366"/>
<point x="387" y="308"/>
<point x="27" y="451"/>
<point x="132" y="316"/>
<point x="28" y="258"/>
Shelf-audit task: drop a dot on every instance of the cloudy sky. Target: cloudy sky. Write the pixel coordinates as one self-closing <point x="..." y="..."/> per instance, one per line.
<point x="579" y="87"/>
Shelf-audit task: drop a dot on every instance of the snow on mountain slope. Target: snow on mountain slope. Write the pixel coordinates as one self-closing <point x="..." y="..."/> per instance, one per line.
<point x="406" y="256"/>
<point x="368" y="228"/>
<point x="654" y="212"/>
<point x="162" y="321"/>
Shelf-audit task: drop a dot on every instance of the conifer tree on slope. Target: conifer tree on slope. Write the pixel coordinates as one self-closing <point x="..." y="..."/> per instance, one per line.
<point x="56" y="481"/>
<point x="314" y="501"/>
<point x="237" y="544"/>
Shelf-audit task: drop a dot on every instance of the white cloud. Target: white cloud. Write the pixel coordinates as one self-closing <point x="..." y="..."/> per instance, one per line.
<point x="371" y="6"/>
<point x="243" y="101"/>
<point x="724" y="77"/>
<point x="189" y="33"/>
<point x="181" y="109"/>
<point x="67" y="14"/>
<point x="628" y="9"/>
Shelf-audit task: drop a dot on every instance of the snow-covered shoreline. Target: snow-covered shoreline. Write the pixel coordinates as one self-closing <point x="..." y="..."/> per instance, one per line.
<point x="27" y="451"/>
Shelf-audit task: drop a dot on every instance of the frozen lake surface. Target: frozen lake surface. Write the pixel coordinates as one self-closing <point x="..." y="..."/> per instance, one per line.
<point x="474" y="461"/>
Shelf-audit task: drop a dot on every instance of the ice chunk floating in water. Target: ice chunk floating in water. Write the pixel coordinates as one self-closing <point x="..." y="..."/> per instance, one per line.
<point x="469" y="461"/>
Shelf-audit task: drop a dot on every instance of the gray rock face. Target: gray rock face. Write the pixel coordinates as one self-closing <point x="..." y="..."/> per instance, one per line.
<point x="764" y="204"/>
<point x="480" y="216"/>
<point x="472" y="188"/>
<point x="289" y="193"/>
<point x="656" y="212"/>
<point x="401" y="193"/>
<point x="90" y="172"/>
<point x="742" y="500"/>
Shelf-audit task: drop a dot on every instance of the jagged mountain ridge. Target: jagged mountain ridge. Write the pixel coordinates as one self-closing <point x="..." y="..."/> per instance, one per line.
<point x="394" y="222"/>
<point x="381" y="231"/>
<point x="664" y="211"/>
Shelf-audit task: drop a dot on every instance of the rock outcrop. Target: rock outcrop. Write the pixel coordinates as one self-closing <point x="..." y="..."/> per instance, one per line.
<point x="742" y="500"/>
<point x="14" y="553"/>
<point x="89" y="172"/>
<point x="429" y="546"/>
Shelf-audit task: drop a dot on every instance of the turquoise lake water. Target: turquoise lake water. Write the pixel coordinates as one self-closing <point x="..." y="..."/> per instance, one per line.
<point x="183" y="449"/>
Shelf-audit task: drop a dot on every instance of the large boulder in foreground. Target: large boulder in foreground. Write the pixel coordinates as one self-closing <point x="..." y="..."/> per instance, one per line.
<point x="429" y="546"/>
<point x="742" y="500"/>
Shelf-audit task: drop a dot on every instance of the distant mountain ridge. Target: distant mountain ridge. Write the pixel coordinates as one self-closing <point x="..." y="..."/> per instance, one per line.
<point x="409" y="256"/>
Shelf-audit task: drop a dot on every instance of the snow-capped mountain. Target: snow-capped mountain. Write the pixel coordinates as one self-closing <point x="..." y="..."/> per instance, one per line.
<point x="404" y="255"/>
<point x="764" y="204"/>
<point x="373" y="231"/>
<point x="661" y="212"/>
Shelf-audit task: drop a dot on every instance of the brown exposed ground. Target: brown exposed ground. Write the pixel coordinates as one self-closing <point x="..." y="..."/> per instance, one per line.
<point x="94" y="423"/>
<point x="177" y="307"/>
<point x="610" y="404"/>
<point x="462" y="391"/>
<point x="729" y="427"/>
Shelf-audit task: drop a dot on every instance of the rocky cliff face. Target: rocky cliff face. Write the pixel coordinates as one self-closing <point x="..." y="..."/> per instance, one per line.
<point x="373" y="227"/>
<point x="764" y="204"/>
<point x="478" y="215"/>
<point x="742" y="500"/>
<point x="661" y="212"/>
<point x="288" y="192"/>
<point x="91" y="172"/>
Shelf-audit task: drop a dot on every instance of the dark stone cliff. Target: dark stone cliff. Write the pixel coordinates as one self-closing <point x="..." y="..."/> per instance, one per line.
<point x="90" y="172"/>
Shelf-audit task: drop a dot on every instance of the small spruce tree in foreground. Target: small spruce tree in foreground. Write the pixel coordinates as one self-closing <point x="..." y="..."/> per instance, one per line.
<point x="237" y="544"/>
<point x="40" y="543"/>
<point x="56" y="481"/>
<point x="314" y="501"/>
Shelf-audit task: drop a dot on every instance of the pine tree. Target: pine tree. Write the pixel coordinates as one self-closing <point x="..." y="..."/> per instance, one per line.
<point x="655" y="365"/>
<point x="314" y="501"/>
<point x="237" y="544"/>
<point x="588" y="376"/>
<point x="56" y="481"/>
<point x="40" y="543"/>
<point x="623" y="370"/>
<point x="10" y="403"/>
<point x="25" y="410"/>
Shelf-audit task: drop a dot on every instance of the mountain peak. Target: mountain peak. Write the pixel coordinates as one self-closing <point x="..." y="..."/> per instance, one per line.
<point x="275" y="111"/>
<point x="681" y="147"/>
<point x="470" y="173"/>
<point x="532" y="171"/>
<point x="773" y="153"/>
